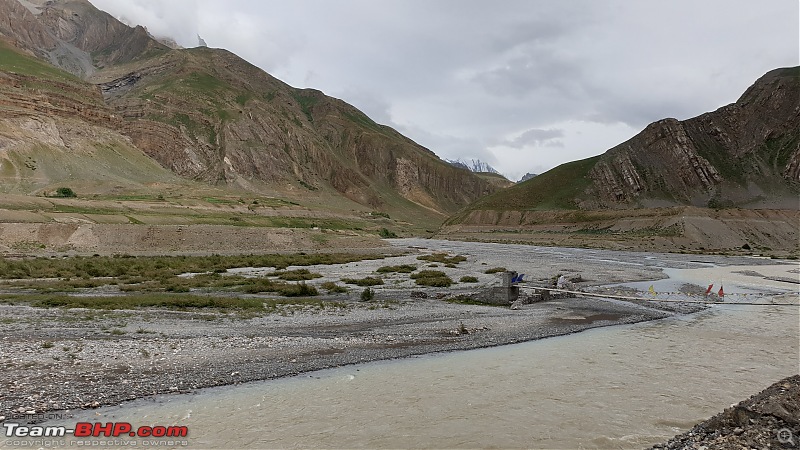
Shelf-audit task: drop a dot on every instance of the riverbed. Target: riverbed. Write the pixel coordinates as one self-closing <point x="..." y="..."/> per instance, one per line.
<point x="627" y="386"/>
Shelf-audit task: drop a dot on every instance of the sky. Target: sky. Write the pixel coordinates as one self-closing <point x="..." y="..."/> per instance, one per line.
<point x="524" y="85"/>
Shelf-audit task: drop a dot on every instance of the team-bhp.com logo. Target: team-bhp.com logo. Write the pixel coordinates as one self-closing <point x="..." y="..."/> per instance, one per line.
<point x="89" y="430"/>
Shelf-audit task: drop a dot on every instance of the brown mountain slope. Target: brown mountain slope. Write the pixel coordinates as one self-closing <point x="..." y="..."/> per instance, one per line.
<point x="208" y="115"/>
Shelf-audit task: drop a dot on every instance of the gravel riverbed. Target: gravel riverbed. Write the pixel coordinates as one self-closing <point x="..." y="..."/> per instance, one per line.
<point x="56" y="360"/>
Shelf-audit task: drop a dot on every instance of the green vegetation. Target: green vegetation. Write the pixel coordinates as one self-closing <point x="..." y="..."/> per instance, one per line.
<point x="361" y="119"/>
<point x="170" y="301"/>
<point x="443" y="258"/>
<point x="243" y="98"/>
<point x="462" y="299"/>
<point x="203" y="82"/>
<point x="65" y="192"/>
<point x="379" y="214"/>
<point x="333" y="288"/>
<point x="157" y="267"/>
<point x="296" y="275"/>
<point x="13" y="61"/>
<point x="306" y="99"/>
<point x="468" y="279"/>
<point x="386" y="234"/>
<point x="495" y="270"/>
<point x="283" y="289"/>
<point x="434" y="278"/>
<point x="307" y="186"/>
<point x="555" y="189"/>
<point x="366" y="281"/>
<point x="367" y="295"/>
<point x="404" y="268"/>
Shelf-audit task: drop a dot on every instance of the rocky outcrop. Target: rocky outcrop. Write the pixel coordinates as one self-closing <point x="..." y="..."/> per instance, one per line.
<point x="769" y="419"/>
<point x="716" y="157"/>
<point x="106" y="39"/>
<point x="23" y="94"/>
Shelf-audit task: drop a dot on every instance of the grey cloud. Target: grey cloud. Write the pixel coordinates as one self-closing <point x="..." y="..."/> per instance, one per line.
<point x="538" y="137"/>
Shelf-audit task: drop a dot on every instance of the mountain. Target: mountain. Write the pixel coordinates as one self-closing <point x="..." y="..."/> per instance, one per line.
<point x="484" y="171"/>
<point x="209" y="116"/>
<point x="527" y="177"/>
<point x="745" y="155"/>
<point x="473" y="165"/>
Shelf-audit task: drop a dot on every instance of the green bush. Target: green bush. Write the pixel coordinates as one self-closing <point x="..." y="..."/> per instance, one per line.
<point x="468" y="279"/>
<point x="367" y="281"/>
<point x="333" y="288"/>
<point x="297" y="290"/>
<point x="433" y="278"/>
<point x="65" y="192"/>
<point x="387" y="234"/>
<point x="405" y="268"/>
<point x="367" y="295"/>
<point x="443" y="258"/>
<point x="296" y="275"/>
<point x="495" y="270"/>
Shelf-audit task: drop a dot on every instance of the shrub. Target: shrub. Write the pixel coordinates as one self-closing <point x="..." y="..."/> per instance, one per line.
<point x="387" y="234"/>
<point x="367" y="295"/>
<point x="367" y="281"/>
<point x="333" y="288"/>
<point x="405" y="268"/>
<point x="495" y="270"/>
<point x="296" y="275"/>
<point x="297" y="290"/>
<point x="65" y="192"/>
<point x="468" y="279"/>
<point x="443" y="258"/>
<point x="433" y="278"/>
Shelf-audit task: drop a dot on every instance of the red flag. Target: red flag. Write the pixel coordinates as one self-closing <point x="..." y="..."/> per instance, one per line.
<point x="721" y="294"/>
<point x="708" y="291"/>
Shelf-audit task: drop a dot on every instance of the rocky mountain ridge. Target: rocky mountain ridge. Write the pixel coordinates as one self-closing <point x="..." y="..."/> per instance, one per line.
<point x="740" y="154"/>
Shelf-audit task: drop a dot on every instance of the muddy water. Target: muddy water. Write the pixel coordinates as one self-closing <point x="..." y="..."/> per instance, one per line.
<point x="617" y="387"/>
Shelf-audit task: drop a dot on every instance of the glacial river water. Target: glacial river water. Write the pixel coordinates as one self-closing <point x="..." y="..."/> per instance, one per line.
<point x="617" y="387"/>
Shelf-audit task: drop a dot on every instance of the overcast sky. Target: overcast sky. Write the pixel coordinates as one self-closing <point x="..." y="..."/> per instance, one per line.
<point x="523" y="85"/>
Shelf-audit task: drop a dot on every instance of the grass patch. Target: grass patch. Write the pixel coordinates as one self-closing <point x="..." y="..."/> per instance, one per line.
<point x="156" y="267"/>
<point x="168" y="301"/>
<point x="296" y="275"/>
<point x="366" y="281"/>
<point x="462" y="299"/>
<point x="333" y="288"/>
<point x="468" y="279"/>
<point x="284" y="289"/>
<point x="404" y="268"/>
<point x="385" y="233"/>
<point x="306" y="99"/>
<point x="14" y="61"/>
<point x="443" y="258"/>
<point x="495" y="270"/>
<point x="433" y="278"/>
